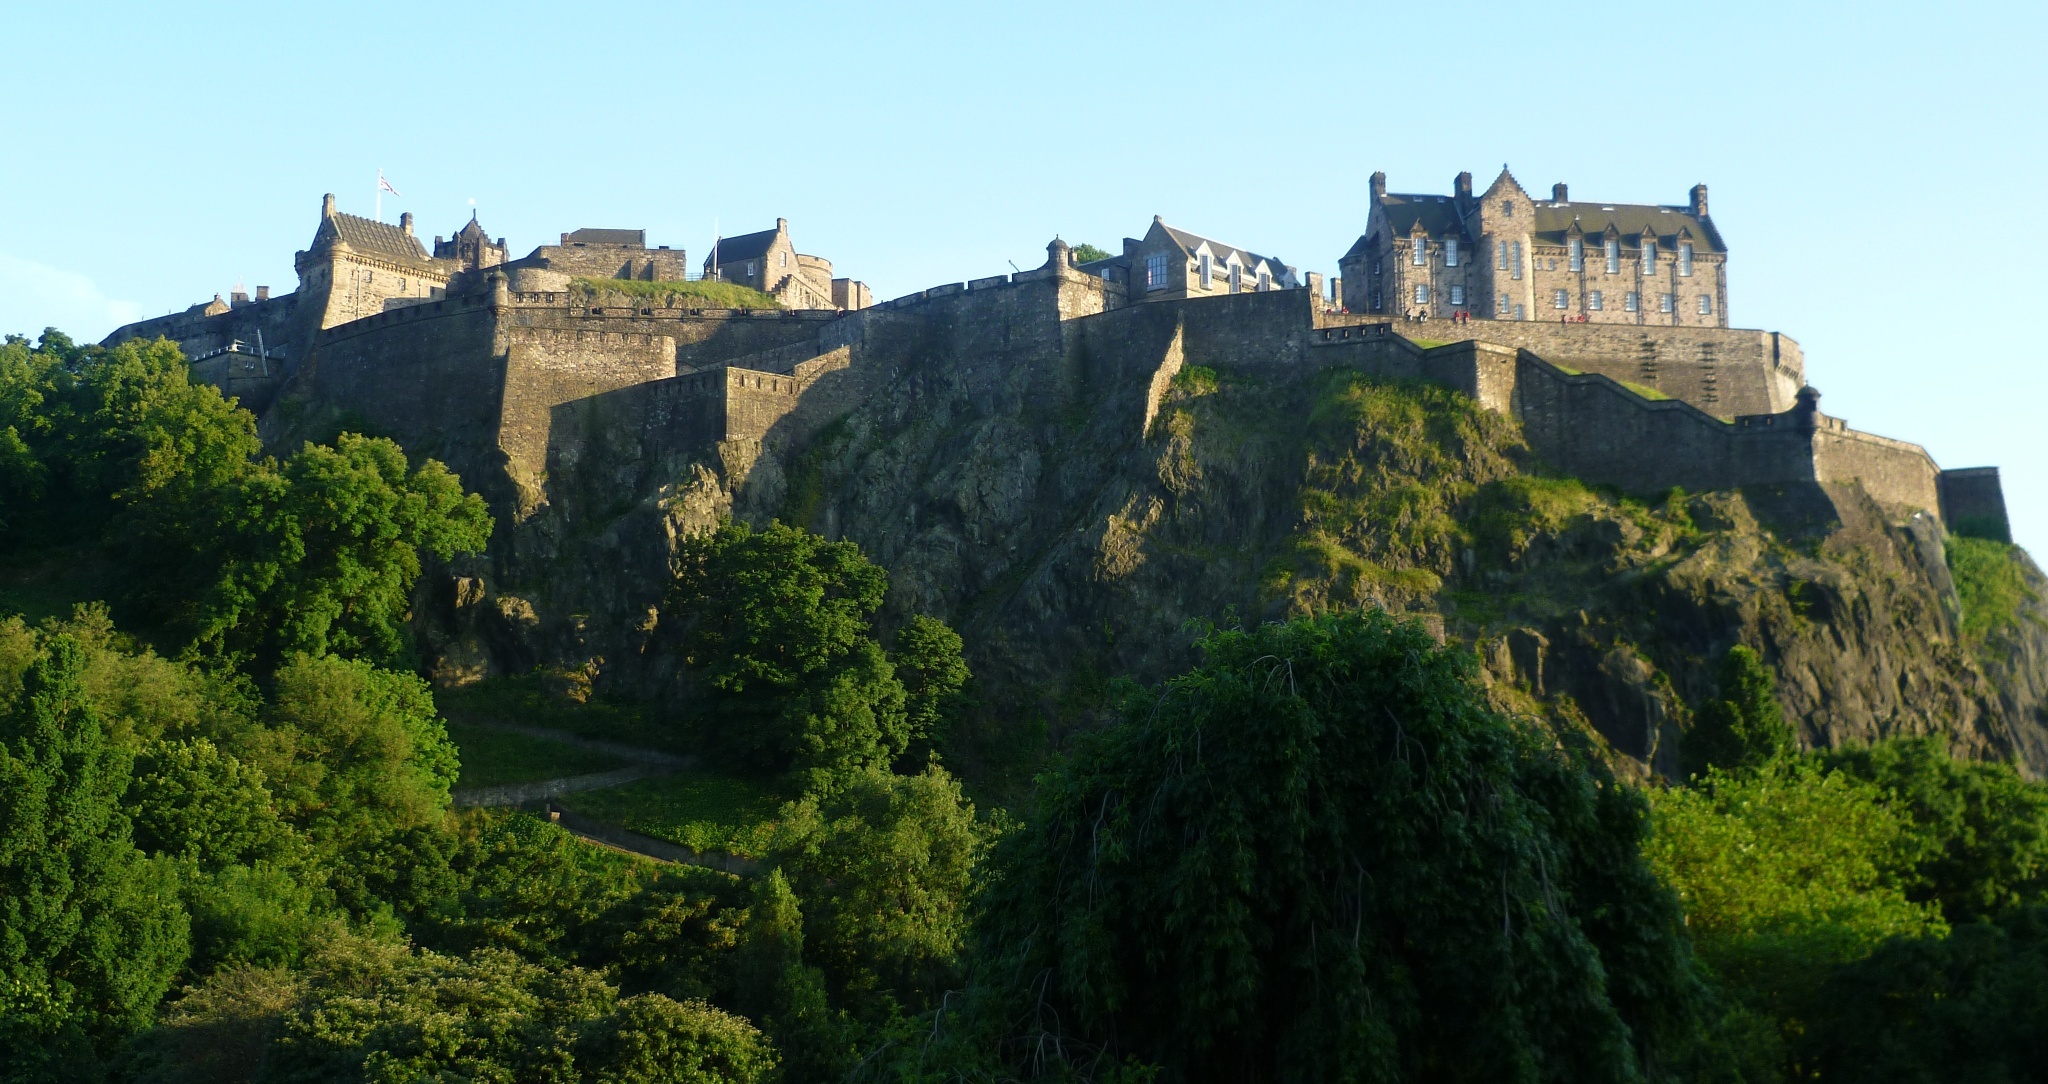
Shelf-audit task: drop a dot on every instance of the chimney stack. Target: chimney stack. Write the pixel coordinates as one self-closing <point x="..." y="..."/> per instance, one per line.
<point x="1699" y="200"/>
<point x="782" y="225"/>
<point x="327" y="205"/>
<point x="1379" y="185"/>
<point x="1462" y="187"/>
<point x="405" y="223"/>
<point x="262" y="293"/>
<point x="1560" y="194"/>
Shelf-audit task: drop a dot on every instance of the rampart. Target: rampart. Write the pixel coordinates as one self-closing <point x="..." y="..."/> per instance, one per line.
<point x="1723" y="371"/>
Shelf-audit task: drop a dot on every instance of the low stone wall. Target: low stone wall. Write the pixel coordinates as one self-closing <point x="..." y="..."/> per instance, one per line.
<point x="1973" y="503"/>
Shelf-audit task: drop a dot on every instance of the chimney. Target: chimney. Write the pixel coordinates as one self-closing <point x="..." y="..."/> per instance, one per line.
<point x="238" y="298"/>
<point x="782" y="225"/>
<point x="1559" y="193"/>
<point x="1379" y="185"/>
<point x="1699" y="200"/>
<point x="262" y="293"/>
<point x="405" y="223"/>
<point x="327" y="205"/>
<point x="1462" y="187"/>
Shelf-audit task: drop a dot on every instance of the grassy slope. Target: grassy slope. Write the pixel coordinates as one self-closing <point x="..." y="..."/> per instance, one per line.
<point x="685" y="295"/>
<point x="494" y="757"/>
<point x="1989" y="582"/>
<point x="708" y="811"/>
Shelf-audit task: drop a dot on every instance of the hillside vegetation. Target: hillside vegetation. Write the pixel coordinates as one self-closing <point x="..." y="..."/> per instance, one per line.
<point x="696" y="294"/>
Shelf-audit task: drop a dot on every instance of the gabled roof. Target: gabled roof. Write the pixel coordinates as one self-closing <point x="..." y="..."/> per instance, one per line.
<point x="747" y="246"/>
<point x="1192" y="241"/>
<point x="1631" y="220"/>
<point x="369" y="236"/>
<point x="589" y="236"/>
<point x="1439" y="215"/>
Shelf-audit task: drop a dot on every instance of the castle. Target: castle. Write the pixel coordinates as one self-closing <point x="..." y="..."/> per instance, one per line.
<point x="499" y="368"/>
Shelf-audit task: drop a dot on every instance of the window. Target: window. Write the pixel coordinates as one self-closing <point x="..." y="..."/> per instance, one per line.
<point x="1207" y="265"/>
<point x="1155" y="272"/>
<point x="1375" y="301"/>
<point x="1421" y="294"/>
<point x="1685" y="258"/>
<point x="1236" y="278"/>
<point x="1515" y="256"/>
<point x="1265" y="282"/>
<point x="1706" y="305"/>
<point x="1631" y="301"/>
<point x="1507" y="208"/>
<point x="1596" y="301"/>
<point x="750" y="269"/>
<point x="1560" y="300"/>
<point x="1451" y="252"/>
<point x="1503" y="304"/>
<point x="1649" y="257"/>
<point x="1519" y="315"/>
<point x="1500" y="255"/>
<point x="1457" y="295"/>
<point x="1666" y="303"/>
<point x="1614" y="255"/>
<point x="785" y="259"/>
<point x="1575" y="254"/>
<point x="1419" y="255"/>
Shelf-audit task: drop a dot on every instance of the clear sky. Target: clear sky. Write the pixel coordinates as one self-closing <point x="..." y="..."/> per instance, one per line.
<point x="1875" y="167"/>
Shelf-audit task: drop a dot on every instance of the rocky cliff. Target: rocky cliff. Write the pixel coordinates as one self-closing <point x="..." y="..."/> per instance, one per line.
<point x="1076" y="511"/>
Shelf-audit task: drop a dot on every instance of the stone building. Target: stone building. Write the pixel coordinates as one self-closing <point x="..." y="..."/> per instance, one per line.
<point x="1169" y="263"/>
<point x="610" y="254"/>
<point x="1505" y="255"/>
<point x="769" y="262"/>
<point x="356" y="265"/>
<point x="471" y="248"/>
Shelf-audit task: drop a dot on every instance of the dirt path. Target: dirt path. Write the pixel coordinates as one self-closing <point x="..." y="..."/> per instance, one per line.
<point x="634" y="753"/>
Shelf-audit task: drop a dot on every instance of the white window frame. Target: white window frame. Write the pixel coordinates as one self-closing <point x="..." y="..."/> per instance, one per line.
<point x="1419" y="256"/>
<point x="1422" y="293"/>
<point x="1596" y="301"/>
<point x="1500" y="255"/>
<point x="1706" y="305"/>
<point x="1614" y="255"/>
<point x="1515" y="254"/>
<point x="1632" y="302"/>
<point x="1503" y="306"/>
<point x="1155" y="272"/>
<point x="1450" y="252"/>
<point x="1265" y="281"/>
<point x="1560" y="299"/>
<point x="1575" y="254"/>
<point x="1685" y="259"/>
<point x="1650" y="258"/>
<point x="1667" y="302"/>
<point x="752" y="269"/>
<point x="1457" y="294"/>
<point x="1208" y="264"/>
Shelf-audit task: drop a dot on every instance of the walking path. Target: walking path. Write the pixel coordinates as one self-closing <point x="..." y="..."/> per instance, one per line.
<point x="644" y="764"/>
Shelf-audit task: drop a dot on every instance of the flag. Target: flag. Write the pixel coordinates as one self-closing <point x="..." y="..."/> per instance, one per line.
<point x="385" y="186"/>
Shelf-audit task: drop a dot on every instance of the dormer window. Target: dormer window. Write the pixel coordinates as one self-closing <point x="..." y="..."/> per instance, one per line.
<point x="1614" y="255"/>
<point x="1265" y="282"/>
<point x="1207" y="267"/>
<point x="1575" y="254"/>
<point x="1685" y="258"/>
<point x="1649" y="257"/>
<point x="1451" y="252"/>
<point x="1419" y="254"/>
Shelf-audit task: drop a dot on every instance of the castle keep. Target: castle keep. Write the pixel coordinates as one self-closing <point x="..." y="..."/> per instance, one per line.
<point x="522" y="384"/>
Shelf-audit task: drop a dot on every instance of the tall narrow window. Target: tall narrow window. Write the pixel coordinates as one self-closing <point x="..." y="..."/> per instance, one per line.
<point x="1451" y="252"/>
<point x="1236" y="278"/>
<point x="1265" y="282"/>
<point x="1155" y="272"/>
<point x="1500" y="255"/>
<point x="1421" y="294"/>
<point x="1560" y="300"/>
<point x="1515" y="259"/>
<point x="1685" y="258"/>
<point x="1649" y="257"/>
<point x="1706" y="305"/>
<point x="1596" y="301"/>
<point x="1614" y="255"/>
<point x="1665" y="302"/>
<point x="1207" y="265"/>
<point x="1457" y="294"/>
<point x="1503" y="304"/>
<point x="1630" y="301"/>
<point x="1575" y="253"/>
<point x="1420" y="254"/>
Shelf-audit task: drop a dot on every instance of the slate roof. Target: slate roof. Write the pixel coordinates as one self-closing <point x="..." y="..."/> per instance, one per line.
<point x="367" y="235"/>
<point x="1222" y="252"/>
<point x="1554" y="221"/>
<point x="588" y="236"/>
<point x="747" y="246"/>
<point x="1438" y="214"/>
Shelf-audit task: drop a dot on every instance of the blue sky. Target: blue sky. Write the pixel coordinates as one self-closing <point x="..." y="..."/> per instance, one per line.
<point x="1875" y="167"/>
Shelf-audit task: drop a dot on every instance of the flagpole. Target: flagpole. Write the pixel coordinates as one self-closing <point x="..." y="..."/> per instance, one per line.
<point x="380" y="193"/>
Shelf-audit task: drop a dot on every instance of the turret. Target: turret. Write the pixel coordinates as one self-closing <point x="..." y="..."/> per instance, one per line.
<point x="1057" y="254"/>
<point x="1807" y="406"/>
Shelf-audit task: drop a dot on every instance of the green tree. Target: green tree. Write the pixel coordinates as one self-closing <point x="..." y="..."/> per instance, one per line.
<point x="91" y="935"/>
<point x="928" y="663"/>
<point x="1320" y="855"/>
<point x="885" y="865"/>
<point x="322" y="555"/>
<point x="780" y="634"/>
<point x="786" y="995"/>
<point x="1087" y="253"/>
<point x="1742" y="726"/>
<point x="1982" y="830"/>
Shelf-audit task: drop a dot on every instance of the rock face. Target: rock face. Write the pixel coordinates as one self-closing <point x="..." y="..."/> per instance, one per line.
<point x="1078" y="506"/>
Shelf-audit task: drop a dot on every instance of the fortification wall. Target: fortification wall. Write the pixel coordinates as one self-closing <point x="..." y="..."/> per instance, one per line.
<point x="546" y="367"/>
<point x="1973" y="503"/>
<point x="1901" y="477"/>
<point x="704" y="338"/>
<point x="1724" y="371"/>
